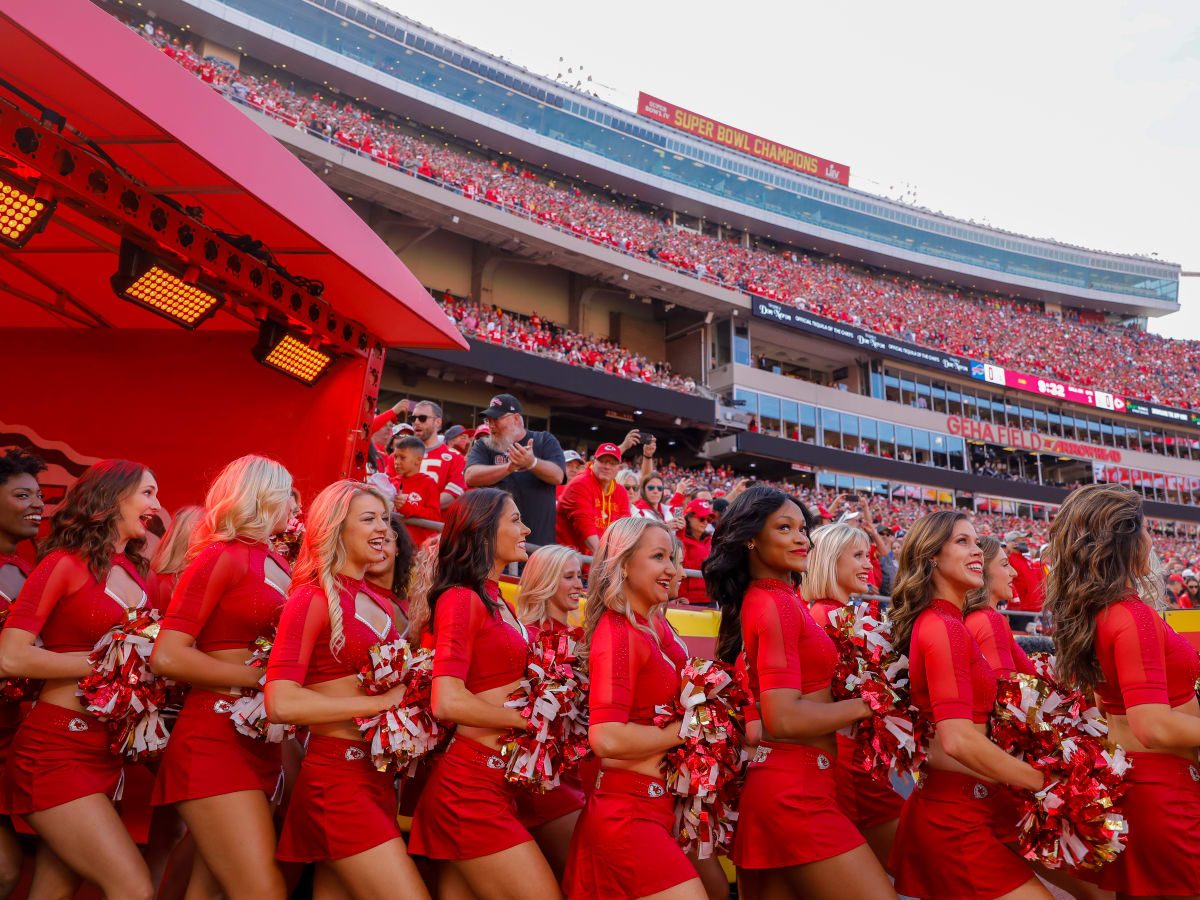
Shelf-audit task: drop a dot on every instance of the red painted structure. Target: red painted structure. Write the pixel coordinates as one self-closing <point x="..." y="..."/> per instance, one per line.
<point x="150" y="154"/>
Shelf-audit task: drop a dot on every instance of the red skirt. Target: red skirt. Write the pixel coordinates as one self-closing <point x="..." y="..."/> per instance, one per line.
<point x="788" y="813"/>
<point x="340" y="806"/>
<point x="534" y="809"/>
<point x="864" y="800"/>
<point x="467" y="808"/>
<point x="949" y="845"/>
<point x="622" y="847"/>
<point x="1162" y="808"/>
<point x="207" y="756"/>
<point x="58" y="755"/>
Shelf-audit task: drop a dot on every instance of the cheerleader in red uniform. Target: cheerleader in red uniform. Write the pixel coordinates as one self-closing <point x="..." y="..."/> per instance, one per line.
<point x="342" y="814"/>
<point x="21" y="510"/>
<point x="466" y="818"/>
<point x="391" y="577"/>
<point x="171" y="555"/>
<point x="623" y="847"/>
<point x="988" y="626"/>
<point x="551" y="587"/>
<point x="959" y="806"/>
<point x="60" y="773"/>
<point x="1108" y="638"/>
<point x="792" y="839"/>
<point x="840" y="566"/>
<point x="991" y="632"/>
<point x="231" y="593"/>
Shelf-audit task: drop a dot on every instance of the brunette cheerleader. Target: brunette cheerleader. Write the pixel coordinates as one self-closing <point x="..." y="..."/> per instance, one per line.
<point x="466" y="818"/>
<point x="1110" y="639"/>
<point x="21" y="509"/>
<point x="392" y="576"/>
<point x="991" y="632"/>
<point x="623" y="847"/>
<point x="231" y="593"/>
<point x="792" y="839"/>
<point x="840" y="566"/>
<point x="60" y="773"/>
<point x="959" y="806"/>
<point x="988" y="626"/>
<point x="551" y="587"/>
<point x="342" y="813"/>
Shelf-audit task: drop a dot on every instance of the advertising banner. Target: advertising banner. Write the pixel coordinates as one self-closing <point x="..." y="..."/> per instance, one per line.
<point x="741" y="141"/>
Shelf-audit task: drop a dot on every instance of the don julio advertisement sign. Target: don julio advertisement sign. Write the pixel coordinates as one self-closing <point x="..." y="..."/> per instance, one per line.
<point x="793" y="317"/>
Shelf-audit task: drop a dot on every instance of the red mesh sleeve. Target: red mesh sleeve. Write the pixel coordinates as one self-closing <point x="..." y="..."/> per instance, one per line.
<point x="217" y="569"/>
<point x="993" y="640"/>
<point x="610" y="672"/>
<point x="775" y="624"/>
<point x="458" y="615"/>
<point x="944" y="655"/>
<point x="1138" y="652"/>
<point x="55" y="577"/>
<point x="305" y="617"/>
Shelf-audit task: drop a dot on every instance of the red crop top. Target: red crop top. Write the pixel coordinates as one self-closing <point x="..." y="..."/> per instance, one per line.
<point x="475" y="644"/>
<point x="1142" y="657"/>
<point x="224" y="599"/>
<point x="301" y="652"/>
<point x="821" y="609"/>
<point x="950" y="678"/>
<point x="629" y="674"/>
<point x="990" y="630"/>
<point x="784" y="647"/>
<point x="63" y="603"/>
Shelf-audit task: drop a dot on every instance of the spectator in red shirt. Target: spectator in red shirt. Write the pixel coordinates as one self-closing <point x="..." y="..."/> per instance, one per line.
<point x="444" y="465"/>
<point x="696" y="538"/>
<point x="591" y="502"/>
<point x="416" y="492"/>
<point x="575" y="465"/>
<point x="1029" y="585"/>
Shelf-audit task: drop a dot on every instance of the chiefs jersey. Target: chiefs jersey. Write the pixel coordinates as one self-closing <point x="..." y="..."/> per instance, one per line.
<point x="445" y="467"/>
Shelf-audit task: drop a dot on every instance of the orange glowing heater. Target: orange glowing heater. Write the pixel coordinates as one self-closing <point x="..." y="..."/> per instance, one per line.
<point x="289" y="353"/>
<point x="163" y="288"/>
<point x="22" y="212"/>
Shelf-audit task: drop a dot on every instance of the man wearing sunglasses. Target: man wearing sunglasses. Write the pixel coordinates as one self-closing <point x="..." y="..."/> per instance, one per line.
<point x="442" y="464"/>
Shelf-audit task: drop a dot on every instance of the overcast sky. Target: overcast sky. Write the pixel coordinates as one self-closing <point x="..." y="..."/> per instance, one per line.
<point x="1078" y="121"/>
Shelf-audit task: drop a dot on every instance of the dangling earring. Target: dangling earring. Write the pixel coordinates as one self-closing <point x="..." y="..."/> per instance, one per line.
<point x="750" y="546"/>
<point x="935" y="563"/>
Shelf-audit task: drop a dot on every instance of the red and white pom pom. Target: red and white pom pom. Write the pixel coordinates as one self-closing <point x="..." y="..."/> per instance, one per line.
<point x="249" y="711"/>
<point x="870" y="668"/>
<point x="122" y="690"/>
<point x="705" y="772"/>
<point x="400" y="737"/>
<point x="553" y="699"/>
<point x="1075" y="819"/>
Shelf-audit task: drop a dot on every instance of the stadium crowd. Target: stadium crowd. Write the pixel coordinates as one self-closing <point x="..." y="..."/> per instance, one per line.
<point x="533" y="334"/>
<point x="1007" y="332"/>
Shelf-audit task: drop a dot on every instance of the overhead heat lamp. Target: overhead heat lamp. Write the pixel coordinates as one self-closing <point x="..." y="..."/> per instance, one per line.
<point x="167" y="289"/>
<point x="290" y="353"/>
<point x="24" y="211"/>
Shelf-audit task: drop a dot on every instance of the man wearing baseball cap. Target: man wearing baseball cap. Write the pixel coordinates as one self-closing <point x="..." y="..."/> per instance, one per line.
<point x="527" y="464"/>
<point x="575" y="465"/>
<point x="1029" y="588"/>
<point x="592" y="501"/>
<point x="458" y="439"/>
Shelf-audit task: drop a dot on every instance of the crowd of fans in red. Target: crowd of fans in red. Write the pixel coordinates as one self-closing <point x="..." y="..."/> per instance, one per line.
<point x="533" y="334"/>
<point x="1010" y="333"/>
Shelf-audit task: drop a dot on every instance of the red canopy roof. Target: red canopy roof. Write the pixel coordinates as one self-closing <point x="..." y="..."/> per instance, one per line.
<point x="181" y="138"/>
